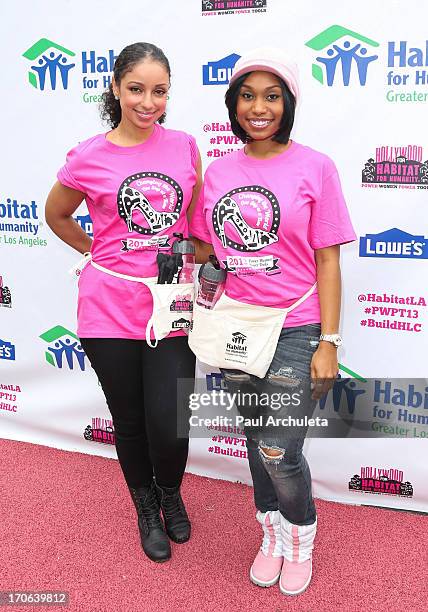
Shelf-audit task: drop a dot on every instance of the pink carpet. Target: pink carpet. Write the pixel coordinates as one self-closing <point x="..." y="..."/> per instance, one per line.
<point x="67" y="524"/>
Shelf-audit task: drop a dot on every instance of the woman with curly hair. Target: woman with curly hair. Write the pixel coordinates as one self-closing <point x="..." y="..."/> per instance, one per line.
<point x="138" y="181"/>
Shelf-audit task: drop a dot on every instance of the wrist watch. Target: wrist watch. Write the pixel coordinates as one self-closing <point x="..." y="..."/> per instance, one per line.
<point x="335" y="339"/>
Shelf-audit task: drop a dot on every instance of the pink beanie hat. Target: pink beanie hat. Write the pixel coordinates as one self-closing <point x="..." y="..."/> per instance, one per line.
<point x="271" y="60"/>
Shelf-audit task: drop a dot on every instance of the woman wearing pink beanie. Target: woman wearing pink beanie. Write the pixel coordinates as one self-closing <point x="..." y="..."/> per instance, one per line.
<point x="276" y="217"/>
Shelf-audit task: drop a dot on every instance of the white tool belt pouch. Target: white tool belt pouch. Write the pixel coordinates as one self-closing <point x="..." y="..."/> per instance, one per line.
<point x="238" y="336"/>
<point x="172" y="304"/>
<point x="172" y="309"/>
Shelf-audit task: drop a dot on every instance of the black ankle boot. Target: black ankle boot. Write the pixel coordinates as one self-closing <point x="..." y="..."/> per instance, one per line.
<point x="177" y="522"/>
<point x="152" y="531"/>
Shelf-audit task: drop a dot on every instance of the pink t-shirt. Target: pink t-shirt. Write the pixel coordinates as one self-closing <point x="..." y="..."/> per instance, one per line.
<point x="137" y="198"/>
<point x="265" y="218"/>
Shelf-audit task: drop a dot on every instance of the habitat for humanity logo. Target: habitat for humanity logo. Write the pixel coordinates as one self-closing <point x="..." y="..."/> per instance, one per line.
<point x="219" y="72"/>
<point x="394" y="243"/>
<point x="378" y="480"/>
<point x="230" y="7"/>
<point x="7" y="350"/>
<point x="396" y="166"/>
<point x="18" y="218"/>
<point x="63" y="343"/>
<point x="344" y="47"/>
<point x="102" y="430"/>
<point x="49" y="64"/>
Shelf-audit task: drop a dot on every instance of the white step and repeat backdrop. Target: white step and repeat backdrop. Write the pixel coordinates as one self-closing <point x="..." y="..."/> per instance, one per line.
<point x="364" y="77"/>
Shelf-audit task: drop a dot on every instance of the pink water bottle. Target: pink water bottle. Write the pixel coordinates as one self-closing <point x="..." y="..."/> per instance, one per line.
<point x="186" y="248"/>
<point x="212" y="280"/>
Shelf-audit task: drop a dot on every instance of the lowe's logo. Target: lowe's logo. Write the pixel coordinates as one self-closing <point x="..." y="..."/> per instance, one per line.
<point x="394" y="243"/>
<point x="219" y="73"/>
<point x="7" y="350"/>
<point x="86" y="224"/>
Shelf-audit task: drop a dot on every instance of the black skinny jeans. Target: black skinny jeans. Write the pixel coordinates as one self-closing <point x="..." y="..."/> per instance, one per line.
<point x="140" y="386"/>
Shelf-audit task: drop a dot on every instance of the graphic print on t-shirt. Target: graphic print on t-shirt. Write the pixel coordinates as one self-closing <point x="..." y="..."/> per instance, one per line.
<point x="247" y="219"/>
<point x="149" y="202"/>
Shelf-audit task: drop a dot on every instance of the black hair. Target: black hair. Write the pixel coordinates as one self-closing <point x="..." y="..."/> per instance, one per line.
<point x="129" y="56"/>
<point x="287" y="120"/>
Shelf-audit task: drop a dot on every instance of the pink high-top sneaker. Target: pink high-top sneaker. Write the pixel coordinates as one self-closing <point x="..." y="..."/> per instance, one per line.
<point x="297" y="545"/>
<point x="266" y="568"/>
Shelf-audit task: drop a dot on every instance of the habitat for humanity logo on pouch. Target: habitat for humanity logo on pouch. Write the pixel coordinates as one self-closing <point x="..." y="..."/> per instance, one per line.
<point x="394" y="243"/>
<point x="5" y="295"/>
<point x="49" y="65"/>
<point x="381" y="481"/>
<point x="247" y="219"/>
<point x="18" y="220"/>
<point x="101" y="430"/>
<point x="396" y="167"/>
<point x="232" y="7"/>
<point x="64" y="349"/>
<point x="338" y="46"/>
<point x="149" y="203"/>
<point x="219" y="72"/>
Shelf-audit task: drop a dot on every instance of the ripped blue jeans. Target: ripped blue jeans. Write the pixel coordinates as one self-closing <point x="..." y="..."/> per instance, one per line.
<point x="281" y="482"/>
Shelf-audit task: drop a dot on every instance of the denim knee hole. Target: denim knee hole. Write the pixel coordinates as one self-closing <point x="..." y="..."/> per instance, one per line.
<point x="284" y="377"/>
<point x="271" y="459"/>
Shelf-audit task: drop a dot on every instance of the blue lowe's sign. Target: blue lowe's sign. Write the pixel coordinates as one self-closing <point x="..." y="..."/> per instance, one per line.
<point x="394" y="243"/>
<point x="219" y="72"/>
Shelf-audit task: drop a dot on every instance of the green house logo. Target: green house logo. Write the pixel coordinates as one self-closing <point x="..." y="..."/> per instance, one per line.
<point x="49" y="64"/>
<point x="64" y="348"/>
<point x="337" y="46"/>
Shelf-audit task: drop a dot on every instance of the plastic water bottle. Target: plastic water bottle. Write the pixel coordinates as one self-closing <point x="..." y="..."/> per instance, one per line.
<point x="211" y="283"/>
<point x="187" y="250"/>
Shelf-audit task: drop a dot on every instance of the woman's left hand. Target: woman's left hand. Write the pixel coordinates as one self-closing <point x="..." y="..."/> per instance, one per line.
<point x="324" y="369"/>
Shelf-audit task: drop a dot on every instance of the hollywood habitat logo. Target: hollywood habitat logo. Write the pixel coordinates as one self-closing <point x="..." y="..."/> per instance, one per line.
<point x="394" y="243"/>
<point x="338" y="46"/>
<point x="101" y="430"/>
<point x="232" y="7"/>
<point x="7" y="350"/>
<point x="9" y="396"/>
<point x="396" y="166"/>
<point x="219" y="72"/>
<point x="64" y="348"/>
<point x="381" y="481"/>
<point x="5" y="295"/>
<point x="49" y="65"/>
<point x="182" y="303"/>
